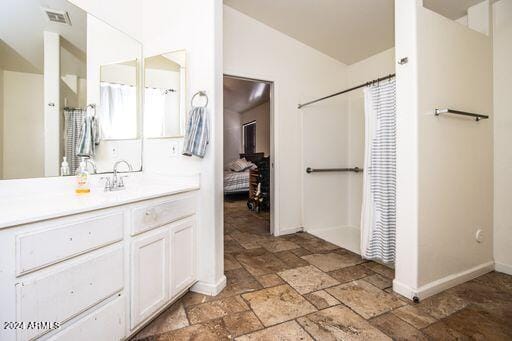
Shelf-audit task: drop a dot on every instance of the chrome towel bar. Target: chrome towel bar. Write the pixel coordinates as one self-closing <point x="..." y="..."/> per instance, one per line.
<point x="324" y="170"/>
<point x="477" y="117"/>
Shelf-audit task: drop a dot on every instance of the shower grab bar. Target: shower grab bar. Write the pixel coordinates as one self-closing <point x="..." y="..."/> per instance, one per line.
<point x="324" y="170"/>
<point x="477" y="117"/>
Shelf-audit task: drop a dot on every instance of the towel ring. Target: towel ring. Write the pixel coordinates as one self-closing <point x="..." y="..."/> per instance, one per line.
<point x="199" y="93"/>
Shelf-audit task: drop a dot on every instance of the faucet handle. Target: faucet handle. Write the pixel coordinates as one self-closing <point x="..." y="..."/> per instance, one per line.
<point x="121" y="181"/>
<point x="108" y="186"/>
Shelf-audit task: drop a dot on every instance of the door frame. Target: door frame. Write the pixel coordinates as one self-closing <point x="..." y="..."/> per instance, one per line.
<point x="274" y="209"/>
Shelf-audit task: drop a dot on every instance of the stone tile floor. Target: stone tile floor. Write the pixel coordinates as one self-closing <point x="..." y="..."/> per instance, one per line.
<point x="299" y="287"/>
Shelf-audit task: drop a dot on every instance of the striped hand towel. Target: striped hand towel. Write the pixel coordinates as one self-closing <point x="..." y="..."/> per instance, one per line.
<point x="197" y="133"/>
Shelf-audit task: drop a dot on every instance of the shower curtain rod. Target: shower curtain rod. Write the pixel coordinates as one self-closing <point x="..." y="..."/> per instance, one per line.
<point x="348" y="90"/>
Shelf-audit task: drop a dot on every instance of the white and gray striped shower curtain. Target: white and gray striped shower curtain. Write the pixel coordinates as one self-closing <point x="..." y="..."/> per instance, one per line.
<point x="73" y="119"/>
<point x="378" y="216"/>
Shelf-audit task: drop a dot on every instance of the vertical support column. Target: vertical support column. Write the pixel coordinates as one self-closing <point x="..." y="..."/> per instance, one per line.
<point x="406" y="263"/>
<point x="52" y="133"/>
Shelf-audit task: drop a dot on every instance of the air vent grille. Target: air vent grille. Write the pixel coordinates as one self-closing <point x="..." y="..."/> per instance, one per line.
<point x="57" y="16"/>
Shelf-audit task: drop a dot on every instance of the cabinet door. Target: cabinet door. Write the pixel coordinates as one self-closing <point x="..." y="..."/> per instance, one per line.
<point x="150" y="274"/>
<point x="183" y="255"/>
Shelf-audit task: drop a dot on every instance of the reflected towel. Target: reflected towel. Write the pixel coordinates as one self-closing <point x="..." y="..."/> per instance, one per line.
<point x="89" y="137"/>
<point x="197" y="133"/>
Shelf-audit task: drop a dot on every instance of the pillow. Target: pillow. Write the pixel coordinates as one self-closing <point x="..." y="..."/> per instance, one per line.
<point x="241" y="165"/>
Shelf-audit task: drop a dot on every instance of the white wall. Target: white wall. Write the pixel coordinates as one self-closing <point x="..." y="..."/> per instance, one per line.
<point x="260" y="114"/>
<point x="52" y="110"/>
<point x="194" y="25"/>
<point x="254" y="50"/>
<point x="23" y="137"/>
<point x="454" y="167"/>
<point x="232" y="136"/>
<point x="502" y="131"/>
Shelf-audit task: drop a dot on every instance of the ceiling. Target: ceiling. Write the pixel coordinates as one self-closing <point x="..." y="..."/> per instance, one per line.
<point x="21" y="32"/>
<point x="241" y="95"/>
<point x="347" y="30"/>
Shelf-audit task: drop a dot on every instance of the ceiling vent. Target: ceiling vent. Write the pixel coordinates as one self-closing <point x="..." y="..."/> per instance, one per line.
<point x="61" y="17"/>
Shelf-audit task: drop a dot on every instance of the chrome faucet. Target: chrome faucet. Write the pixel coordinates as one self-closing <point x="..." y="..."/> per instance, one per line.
<point x="117" y="182"/>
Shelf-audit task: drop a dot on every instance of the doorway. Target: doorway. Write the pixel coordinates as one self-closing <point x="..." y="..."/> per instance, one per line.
<point x="248" y="153"/>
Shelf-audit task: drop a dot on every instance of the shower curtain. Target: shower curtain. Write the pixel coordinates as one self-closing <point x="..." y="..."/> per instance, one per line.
<point x="73" y="119"/>
<point x="118" y="111"/>
<point x="378" y="216"/>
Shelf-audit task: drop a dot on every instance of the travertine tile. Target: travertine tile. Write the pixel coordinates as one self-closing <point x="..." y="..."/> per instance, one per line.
<point x="332" y="261"/>
<point x="212" y="330"/>
<point x="278" y="304"/>
<point x="261" y="265"/>
<point x="277" y="245"/>
<point x="171" y="319"/>
<point x="440" y="331"/>
<point x="364" y="298"/>
<point x="215" y="309"/>
<point x="379" y="281"/>
<point x="350" y="273"/>
<point x="230" y="263"/>
<point x="289" y="331"/>
<point x="414" y="316"/>
<point x="231" y="246"/>
<point x="381" y="269"/>
<point x="321" y="299"/>
<point x="397" y="329"/>
<point x="470" y="322"/>
<point x="442" y="305"/>
<point x="307" y="279"/>
<point x="317" y="245"/>
<point x="339" y="323"/>
<point x="290" y="259"/>
<point x="300" y="252"/>
<point x="270" y="280"/>
<point x="242" y="323"/>
<point x="239" y="281"/>
<point x="193" y="298"/>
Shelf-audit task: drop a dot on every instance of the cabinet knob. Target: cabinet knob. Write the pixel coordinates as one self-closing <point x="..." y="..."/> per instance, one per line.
<point x="150" y="214"/>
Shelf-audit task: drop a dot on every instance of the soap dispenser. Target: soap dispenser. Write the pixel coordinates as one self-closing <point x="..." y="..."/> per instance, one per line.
<point x="82" y="179"/>
<point x="64" y="167"/>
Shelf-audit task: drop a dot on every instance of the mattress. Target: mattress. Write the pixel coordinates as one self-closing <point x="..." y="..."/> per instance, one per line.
<point x="236" y="182"/>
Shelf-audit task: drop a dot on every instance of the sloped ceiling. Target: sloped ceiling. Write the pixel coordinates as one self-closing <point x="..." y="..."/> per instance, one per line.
<point x="241" y="95"/>
<point x="347" y="30"/>
<point x="22" y="23"/>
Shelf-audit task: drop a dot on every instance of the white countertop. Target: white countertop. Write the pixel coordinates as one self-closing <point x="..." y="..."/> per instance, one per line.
<point x="30" y="200"/>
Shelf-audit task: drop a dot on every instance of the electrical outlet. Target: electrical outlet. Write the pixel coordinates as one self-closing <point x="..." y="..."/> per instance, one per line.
<point x="114" y="152"/>
<point x="479" y="236"/>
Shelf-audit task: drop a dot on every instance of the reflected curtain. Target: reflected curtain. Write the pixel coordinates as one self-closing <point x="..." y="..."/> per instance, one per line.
<point x="118" y="111"/>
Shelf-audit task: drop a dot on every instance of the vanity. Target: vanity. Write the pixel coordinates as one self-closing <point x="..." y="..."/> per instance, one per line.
<point x="98" y="266"/>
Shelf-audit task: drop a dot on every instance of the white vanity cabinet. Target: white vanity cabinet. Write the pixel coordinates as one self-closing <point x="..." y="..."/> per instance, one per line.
<point x="98" y="275"/>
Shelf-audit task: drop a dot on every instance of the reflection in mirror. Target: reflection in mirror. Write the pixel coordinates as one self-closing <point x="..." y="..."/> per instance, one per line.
<point x="52" y="54"/>
<point x="164" y="95"/>
<point x="118" y="101"/>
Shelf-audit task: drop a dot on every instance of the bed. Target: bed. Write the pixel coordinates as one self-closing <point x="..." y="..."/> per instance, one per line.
<point x="238" y="182"/>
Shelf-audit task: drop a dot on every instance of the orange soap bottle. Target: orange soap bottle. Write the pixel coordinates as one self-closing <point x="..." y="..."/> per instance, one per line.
<point x="82" y="179"/>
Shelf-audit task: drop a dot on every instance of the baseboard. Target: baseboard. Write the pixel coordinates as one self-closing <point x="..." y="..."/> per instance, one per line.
<point x="347" y="237"/>
<point x="209" y="289"/>
<point x="504" y="268"/>
<point x="289" y="231"/>
<point x="442" y="284"/>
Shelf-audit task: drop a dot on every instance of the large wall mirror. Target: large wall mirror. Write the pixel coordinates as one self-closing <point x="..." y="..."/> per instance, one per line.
<point x="165" y="95"/>
<point x="69" y="88"/>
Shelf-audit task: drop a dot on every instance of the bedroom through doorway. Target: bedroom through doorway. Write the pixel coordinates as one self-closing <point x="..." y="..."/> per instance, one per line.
<point x="247" y="155"/>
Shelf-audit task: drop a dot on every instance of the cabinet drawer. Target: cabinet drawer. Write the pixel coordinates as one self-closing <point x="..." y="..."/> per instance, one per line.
<point x="63" y="294"/>
<point x="158" y="214"/>
<point x="106" y="323"/>
<point x="42" y="248"/>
